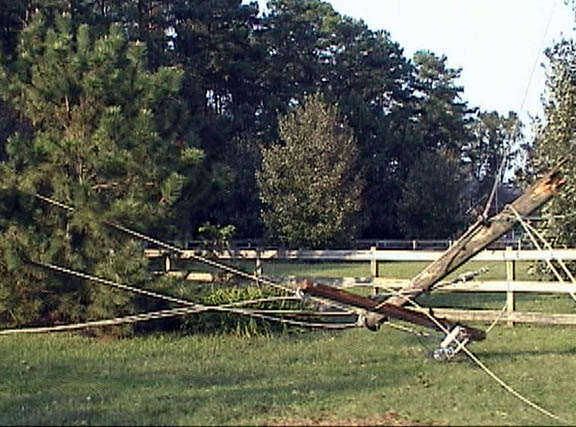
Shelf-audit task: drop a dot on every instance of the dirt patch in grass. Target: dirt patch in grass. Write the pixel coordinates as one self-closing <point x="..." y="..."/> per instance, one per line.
<point x="386" y="419"/>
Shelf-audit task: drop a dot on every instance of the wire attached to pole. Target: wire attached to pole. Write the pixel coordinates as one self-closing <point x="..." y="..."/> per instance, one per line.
<point x="218" y="265"/>
<point x="480" y="364"/>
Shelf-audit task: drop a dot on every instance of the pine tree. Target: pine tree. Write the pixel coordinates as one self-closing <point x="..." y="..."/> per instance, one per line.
<point x="105" y="140"/>
<point x="309" y="182"/>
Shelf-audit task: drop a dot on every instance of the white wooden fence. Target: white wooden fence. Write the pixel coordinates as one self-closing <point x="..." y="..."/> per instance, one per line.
<point x="370" y="255"/>
<point x="508" y="284"/>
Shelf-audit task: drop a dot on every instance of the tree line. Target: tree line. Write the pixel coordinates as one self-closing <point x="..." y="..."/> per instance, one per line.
<point x="178" y="117"/>
<point x="240" y="72"/>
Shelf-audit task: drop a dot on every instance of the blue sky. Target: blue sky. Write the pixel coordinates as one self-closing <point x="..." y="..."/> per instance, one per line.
<point x="497" y="43"/>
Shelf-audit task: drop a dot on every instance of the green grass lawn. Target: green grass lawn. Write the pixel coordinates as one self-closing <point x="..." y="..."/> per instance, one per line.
<point x="351" y="377"/>
<point x="399" y="270"/>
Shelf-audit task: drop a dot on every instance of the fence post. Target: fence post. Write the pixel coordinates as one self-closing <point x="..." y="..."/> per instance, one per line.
<point x="510" y="276"/>
<point x="167" y="263"/>
<point x="258" y="265"/>
<point x="374" y="268"/>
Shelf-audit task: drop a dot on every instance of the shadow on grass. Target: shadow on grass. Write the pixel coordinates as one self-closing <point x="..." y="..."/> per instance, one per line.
<point x="170" y="395"/>
<point x="229" y="380"/>
<point x="507" y="355"/>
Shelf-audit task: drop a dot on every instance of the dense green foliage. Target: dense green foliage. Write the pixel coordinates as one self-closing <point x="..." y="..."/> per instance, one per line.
<point x="495" y="139"/>
<point x="428" y="207"/>
<point x="162" y="114"/>
<point x="104" y="142"/>
<point x="240" y="71"/>
<point x="556" y="141"/>
<point x="309" y="183"/>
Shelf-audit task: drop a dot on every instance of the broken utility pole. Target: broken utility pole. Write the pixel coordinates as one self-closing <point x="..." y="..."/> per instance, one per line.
<point x="474" y="240"/>
<point x="387" y="310"/>
<point x="477" y="238"/>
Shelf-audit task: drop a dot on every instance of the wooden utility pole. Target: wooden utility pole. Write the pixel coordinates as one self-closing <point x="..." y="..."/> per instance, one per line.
<point x="476" y="239"/>
<point x="387" y="310"/>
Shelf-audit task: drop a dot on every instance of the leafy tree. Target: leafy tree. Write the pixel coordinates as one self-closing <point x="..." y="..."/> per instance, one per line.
<point x="214" y="42"/>
<point x="431" y="126"/>
<point x="297" y="37"/>
<point x="373" y="83"/>
<point x="106" y="141"/>
<point x="313" y="48"/>
<point x="309" y="182"/>
<point x="430" y="207"/>
<point x="238" y="202"/>
<point x="495" y="140"/>
<point x="242" y="71"/>
<point x="555" y="141"/>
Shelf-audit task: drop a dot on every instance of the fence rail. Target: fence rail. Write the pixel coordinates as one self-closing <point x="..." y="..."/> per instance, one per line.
<point x="368" y="255"/>
<point x="509" y="285"/>
<point x="386" y="244"/>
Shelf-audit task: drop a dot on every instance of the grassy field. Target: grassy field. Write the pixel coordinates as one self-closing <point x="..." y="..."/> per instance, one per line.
<point x="300" y="378"/>
<point x="351" y="377"/>
<point x="399" y="270"/>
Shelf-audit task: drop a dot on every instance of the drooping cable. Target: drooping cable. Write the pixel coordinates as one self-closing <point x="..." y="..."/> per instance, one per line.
<point x="480" y="364"/>
<point x="218" y="265"/>
<point x="191" y="307"/>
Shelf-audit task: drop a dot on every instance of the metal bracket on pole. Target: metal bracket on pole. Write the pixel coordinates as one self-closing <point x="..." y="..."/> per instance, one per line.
<point x="452" y="344"/>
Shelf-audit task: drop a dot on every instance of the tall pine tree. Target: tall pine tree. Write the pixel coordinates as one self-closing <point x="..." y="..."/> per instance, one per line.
<point x="105" y="140"/>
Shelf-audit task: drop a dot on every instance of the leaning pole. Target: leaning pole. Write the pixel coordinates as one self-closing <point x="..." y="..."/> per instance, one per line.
<point x="480" y="235"/>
